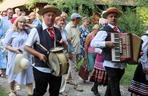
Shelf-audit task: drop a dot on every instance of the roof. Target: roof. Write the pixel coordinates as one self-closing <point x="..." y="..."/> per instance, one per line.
<point x="119" y="2"/>
<point x="15" y="3"/>
<point x="11" y="4"/>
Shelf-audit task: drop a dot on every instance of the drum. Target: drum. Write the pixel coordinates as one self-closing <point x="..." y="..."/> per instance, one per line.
<point x="58" y="61"/>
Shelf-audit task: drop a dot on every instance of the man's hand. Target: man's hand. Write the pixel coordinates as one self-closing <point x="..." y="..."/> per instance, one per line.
<point x="17" y="50"/>
<point x="42" y="57"/>
<point x="35" y="53"/>
<point x="110" y="44"/>
<point x="70" y="56"/>
<point x="63" y="43"/>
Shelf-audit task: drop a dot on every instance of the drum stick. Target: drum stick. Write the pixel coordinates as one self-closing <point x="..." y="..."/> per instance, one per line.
<point x="42" y="46"/>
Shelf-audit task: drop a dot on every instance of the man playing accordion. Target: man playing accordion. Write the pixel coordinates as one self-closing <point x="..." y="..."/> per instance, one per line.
<point x="102" y="40"/>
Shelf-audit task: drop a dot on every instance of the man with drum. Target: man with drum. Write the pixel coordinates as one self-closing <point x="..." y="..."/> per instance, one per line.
<point x="45" y="35"/>
<point x="114" y="70"/>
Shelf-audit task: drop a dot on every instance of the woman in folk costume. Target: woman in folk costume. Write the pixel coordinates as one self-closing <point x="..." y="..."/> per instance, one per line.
<point x="14" y="42"/>
<point x="90" y="52"/>
<point x="99" y="73"/>
<point x="139" y="84"/>
<point x="99" y="76"/>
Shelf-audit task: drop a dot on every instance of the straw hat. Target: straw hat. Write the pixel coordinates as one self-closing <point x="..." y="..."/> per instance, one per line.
<point x="111" y="10"/>
<point x="21" y="63"/>
<point x="50" y="8"/>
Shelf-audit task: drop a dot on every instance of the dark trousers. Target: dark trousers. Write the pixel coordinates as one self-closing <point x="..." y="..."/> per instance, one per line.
<point x="42" y="80"/>
<point x="114" y="76"/>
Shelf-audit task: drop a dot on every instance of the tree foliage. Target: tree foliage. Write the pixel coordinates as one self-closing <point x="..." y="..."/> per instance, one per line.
<point x="69" y="5"/>
<point x="142" y="2"/>
<point x="130" y="22"/>
<point x="143" y="14"/>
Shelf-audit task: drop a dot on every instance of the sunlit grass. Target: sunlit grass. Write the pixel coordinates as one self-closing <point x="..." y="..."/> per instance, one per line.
<point x="2" y="92"/>
<point x="128" y="75"/>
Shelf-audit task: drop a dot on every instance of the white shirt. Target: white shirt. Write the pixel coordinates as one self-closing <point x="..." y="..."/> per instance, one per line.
<point x="99" y="41"/>
<point x="144" y="57"/>
<point x="32" y="38"/>
<point x="73" y="34"/>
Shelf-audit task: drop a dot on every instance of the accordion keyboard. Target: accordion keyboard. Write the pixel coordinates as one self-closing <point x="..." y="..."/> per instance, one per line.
<point x="122" y="49"/>
<point x="116" y="50"/>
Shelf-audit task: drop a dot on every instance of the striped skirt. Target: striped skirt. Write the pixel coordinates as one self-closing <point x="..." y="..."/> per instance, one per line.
<point x="139" y="84"/>
<point x="99" y="74"/>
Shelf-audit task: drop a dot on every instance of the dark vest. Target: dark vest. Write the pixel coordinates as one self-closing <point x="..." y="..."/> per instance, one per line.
<point x="107" y="51"/>
<point x="47" y="42"/>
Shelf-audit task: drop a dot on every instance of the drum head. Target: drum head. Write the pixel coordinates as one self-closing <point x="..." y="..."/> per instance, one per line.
<point x="57" y="49"/>
<point x="54" y="63"/>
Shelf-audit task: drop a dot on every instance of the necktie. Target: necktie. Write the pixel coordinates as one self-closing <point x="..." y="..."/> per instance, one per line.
<point x="50" y="30"/>
<point x="115" y="28"/>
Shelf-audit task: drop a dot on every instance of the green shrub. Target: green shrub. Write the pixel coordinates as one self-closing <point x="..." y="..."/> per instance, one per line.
<point x="130" y="22"/>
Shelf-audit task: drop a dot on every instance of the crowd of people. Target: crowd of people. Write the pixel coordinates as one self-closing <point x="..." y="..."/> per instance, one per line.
<point x="29" y="35"/>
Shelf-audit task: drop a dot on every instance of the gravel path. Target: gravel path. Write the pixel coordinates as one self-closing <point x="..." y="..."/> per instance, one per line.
<point x="69" y="89"/>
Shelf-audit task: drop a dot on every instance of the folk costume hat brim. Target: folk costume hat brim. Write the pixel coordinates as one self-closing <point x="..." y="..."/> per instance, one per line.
<point x="50" y="8"/>
<point x="111" y="10"/>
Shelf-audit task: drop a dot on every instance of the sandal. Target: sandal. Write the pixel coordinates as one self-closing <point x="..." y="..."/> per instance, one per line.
<point x="64" y="94"/>
<point x="77" y="88"/>
<point x="17" y="87"/>
<point x="70" y="82"/>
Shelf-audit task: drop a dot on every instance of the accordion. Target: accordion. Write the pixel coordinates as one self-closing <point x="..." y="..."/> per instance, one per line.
<point x="127" y="47"/>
